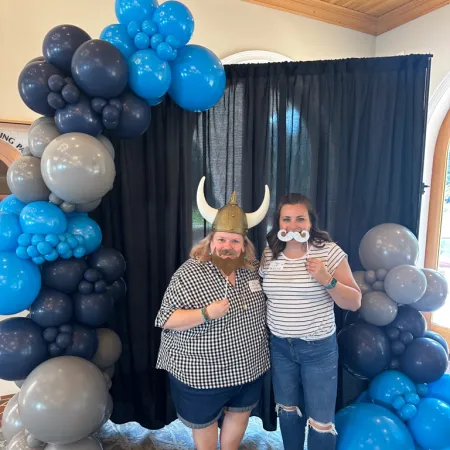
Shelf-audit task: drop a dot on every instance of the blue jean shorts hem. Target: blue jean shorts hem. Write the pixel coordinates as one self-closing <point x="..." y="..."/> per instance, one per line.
<point x="197" y="426"/>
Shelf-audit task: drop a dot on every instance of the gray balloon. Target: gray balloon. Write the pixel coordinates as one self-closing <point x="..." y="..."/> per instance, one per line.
<point x="388" y="245"/>
<point x="55" y="199"/>
<point x="78" y="168"/>
<point x="381" y="274"/>
<point x="88" y="207"/>
<point x="435" y="294"/>
<point x="359" y="276"/>
<point x="33" y="442"/>
<point x="11" y="423"/>
<point x="40" y="121"/>
<point x="87" y="443"/>
<point x="25" y="180"/>
<point x="405" y="284"/>
<point x="378" y="309"/>
<point x="109" y="410"/>
<point x="108" y="144"/>
<point x="18" y="442"/>
<point x="40" y="136"/>
<point x="378" y="286"/>
<point x="26" y="151"/>
<point x="370" y="276"/>
<point x="67" y="207"/>
<point x="110" y="371"/>
<point x="69" y="403"/>
<point x="19" y="383"/>
<point x="109" y="348"/>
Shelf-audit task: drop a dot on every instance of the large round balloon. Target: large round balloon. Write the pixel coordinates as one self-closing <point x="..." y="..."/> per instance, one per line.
<point x="73" y="394"/>
<point x="150" y="76"/>
<point x="367" y="426"/>
<point x="88" y="229"/>
<point x="19" y="441"/>
<point x="388" y="245"/>
<point x="435" y="294"/>
<point x="198" y="78"/>
<point x="117" y="290"/>
<point x="60" y="44"/>
<point x="364" y="349"/>
<point x="93" y="309"/>
<point x="405" y="284"/>
<point x="174" y="19"/>
<point x="40" y="136"/>
<point x="135" y="118"/>
<point x="64" y="275"/>
<point x="11" y="204"/>
<point x="9" y="231"/>
<point x="118" y="36"/>
<point x="22" y="348"/>
<point x="377" y="308"/>
<point x="108" y="350"/>
<point x="25" y="180"/>
<point x="78" y="168"/>
<point x="440" y="389"/>
<point x="42" y="218"/>
<point x="424" y="360"/>
<point x="135" y="10"/>
<point x="11" y="423"/>
<point x="109" y="262"/>
<point x="431" y="424"/>
<point x="438" y="338"/>
<point x="20" y="282"/>
<point x="99" y="69"/>
<point x="33" y="86"/>
<point x="51" y="308"/>
<point x="408" y="319"/>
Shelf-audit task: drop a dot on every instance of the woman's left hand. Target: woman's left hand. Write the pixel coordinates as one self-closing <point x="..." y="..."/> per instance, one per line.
<point x="317" y="269"/>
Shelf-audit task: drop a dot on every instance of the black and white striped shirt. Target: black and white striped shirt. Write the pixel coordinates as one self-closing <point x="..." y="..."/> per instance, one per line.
<point x="298" y="306"/>
<point x="224" y="352"/>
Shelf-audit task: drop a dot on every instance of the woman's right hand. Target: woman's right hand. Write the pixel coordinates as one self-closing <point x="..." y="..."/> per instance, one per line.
<point x="218" y="309"/>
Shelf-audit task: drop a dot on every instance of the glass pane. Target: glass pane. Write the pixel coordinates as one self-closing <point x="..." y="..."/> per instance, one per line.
<point x="442" y="316"/>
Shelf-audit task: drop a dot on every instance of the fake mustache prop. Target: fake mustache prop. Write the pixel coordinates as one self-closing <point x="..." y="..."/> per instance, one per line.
<point x="301" y="236"/>
<point x="228" y="265"/>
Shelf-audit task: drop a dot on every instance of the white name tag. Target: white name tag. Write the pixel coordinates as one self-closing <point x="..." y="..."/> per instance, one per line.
<point x="254" y="286"/>
<point x="276" y="265"/>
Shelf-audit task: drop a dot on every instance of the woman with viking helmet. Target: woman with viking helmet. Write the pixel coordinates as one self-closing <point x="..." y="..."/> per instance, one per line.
<point x="214" y="340"/>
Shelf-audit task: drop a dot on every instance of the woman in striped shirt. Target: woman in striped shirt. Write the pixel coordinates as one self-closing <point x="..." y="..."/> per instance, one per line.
<point x="304" y="274"/>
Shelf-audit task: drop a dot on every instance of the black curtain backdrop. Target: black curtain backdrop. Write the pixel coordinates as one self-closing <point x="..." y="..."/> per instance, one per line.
<point x="348" y="133"/>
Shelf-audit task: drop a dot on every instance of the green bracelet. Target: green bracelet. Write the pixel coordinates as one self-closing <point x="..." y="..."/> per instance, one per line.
<point x="205" y="315"/>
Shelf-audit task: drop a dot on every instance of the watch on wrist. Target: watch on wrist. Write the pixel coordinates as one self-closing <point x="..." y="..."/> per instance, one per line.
<point x="205" y="315"/>
<point x="331" y="284"/>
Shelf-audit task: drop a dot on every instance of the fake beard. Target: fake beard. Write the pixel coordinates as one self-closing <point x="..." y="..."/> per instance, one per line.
<point x="228" y="265"/>
<point x="301" y="236"/>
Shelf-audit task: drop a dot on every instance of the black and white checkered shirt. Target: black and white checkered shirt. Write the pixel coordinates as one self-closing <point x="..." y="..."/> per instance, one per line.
<point x="224" y="352"/>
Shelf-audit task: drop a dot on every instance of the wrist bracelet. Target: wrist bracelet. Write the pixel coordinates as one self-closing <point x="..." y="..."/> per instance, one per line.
<point x="205" y="315"/>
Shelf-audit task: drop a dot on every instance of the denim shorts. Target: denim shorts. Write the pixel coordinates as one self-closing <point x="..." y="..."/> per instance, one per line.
<point x="200" y="408"/>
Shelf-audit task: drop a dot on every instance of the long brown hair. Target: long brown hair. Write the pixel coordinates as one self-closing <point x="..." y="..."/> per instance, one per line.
<point x="201" y="251"/>
<point x="317" y="237"/>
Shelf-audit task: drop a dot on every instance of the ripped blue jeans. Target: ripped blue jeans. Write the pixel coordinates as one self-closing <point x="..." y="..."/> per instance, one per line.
<point x="304" y="377"/>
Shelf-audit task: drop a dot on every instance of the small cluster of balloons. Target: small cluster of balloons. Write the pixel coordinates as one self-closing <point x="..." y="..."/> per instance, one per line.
<point x="397" y="414"/>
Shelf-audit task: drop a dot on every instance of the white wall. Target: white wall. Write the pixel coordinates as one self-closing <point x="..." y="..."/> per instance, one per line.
<point x="427" y="34"/>
<point x="224" y="26"/>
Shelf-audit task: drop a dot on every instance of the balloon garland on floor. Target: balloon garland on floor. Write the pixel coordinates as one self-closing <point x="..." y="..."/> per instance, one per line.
<point x="407" y="405"/>
<point x="52" y="262"/>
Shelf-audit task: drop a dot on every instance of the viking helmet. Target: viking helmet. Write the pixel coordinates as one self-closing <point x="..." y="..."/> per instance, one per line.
<point x="231" y="218"/>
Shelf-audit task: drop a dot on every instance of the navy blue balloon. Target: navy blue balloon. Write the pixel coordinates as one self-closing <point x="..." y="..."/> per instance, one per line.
<point x="51" y="308"/>
<point x="79" y="117"/>
<point x="84" y="342"/>
<point x="99" y="69"/>
<point x="22" y="348"/>
<point x="64" y="340"/>
<point x="33" y="86"/>
<point x="409" y="319"/>
<point x="92" y="309"/>
<point x="64" y="275"/>
<point x="438" y="338"/>
<point x="117" y="290"/>
<point x="60" y="44"/>
<point x="37" y="59"/>
<point x="424" y="360"/>
<point x="135" y="118"/>
<point x="109" y="262"/>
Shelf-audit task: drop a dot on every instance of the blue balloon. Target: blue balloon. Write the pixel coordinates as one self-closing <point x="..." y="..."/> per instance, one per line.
<point x="118" y="36"/>
<point x="22" y="347"/>
<point x="174" y="19"/>
<point x="388" y="385"/>
<point x="367" y="426"/>
<point x="155" y="101"/>
<point x="88" y="229"/>
<point x="430" y="426"/>
<point x="43" y="218"/>
<point x="99" y="69"/>
<point x="20" y="283"/>
<point x="11" y="204"/>
<point x="364" y="397"/>
<point x="51" y="308"/>
<point x="440" y="389"/>
<point x="198" y="79"/>
<point x="138" y="10"/>
<point x="150" y="76"/>
<point x="9" y="231"/>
